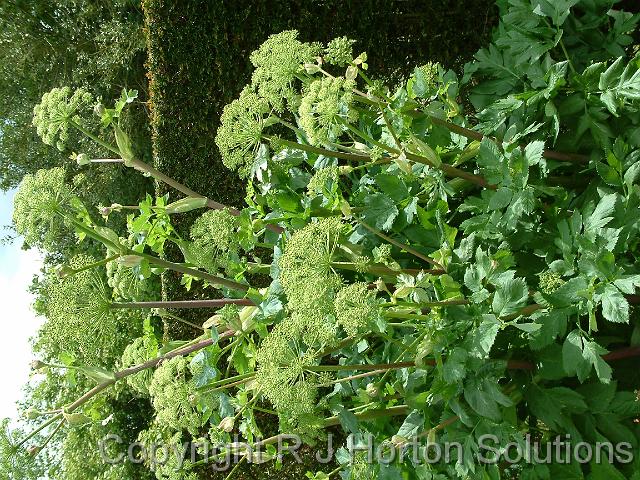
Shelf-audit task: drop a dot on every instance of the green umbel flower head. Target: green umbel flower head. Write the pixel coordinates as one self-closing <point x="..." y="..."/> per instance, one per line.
<point x="277" y="62"/>
<point x="325" y="107"/>
<point x="283" y="377"/>
<point x="214" y="239"/>
<point x="137" y="352"/>
<point x="79" y="316"/>
<point x="550" y="281"/>
<point x="321" y="178"/>
<point x="305" y="266"/>
<point x="37" y="204"/>
<point x="240" y="132"/>
<point x="356" y="308"/>
<point x="339" y="51"/>
<point x="171" y="469"/>
<point x="174" y="396"/>
<point x="127" y="281"/>
<point x="52" y="115"/>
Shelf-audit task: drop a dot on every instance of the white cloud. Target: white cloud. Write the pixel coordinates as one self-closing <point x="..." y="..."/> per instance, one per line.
<point x="19" y="322"/>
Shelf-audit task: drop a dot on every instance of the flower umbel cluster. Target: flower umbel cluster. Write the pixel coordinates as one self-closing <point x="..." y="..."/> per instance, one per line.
<point x="283" y="377"/>
<point x="173" y="396"/>
<point x="550" y="281"/>
<point x="37" y="204"/>
<point x="79" y="315"/>
<point x="356" y="308"/>
<point x="214" y="239"/>
<point x="240" y="132"/>
<point x="277" y="62"/>
<point x="322" y="178"/>
<point x="305" y="266"/>
<point x="137" y="352"/>
<point x="339" y="51"/>
<point x="325" y="108"/>
<point x="52" y="115"/>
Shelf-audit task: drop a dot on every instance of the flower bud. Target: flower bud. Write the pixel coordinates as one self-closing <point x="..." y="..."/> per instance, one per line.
<point x="351" y="73"/>
<point x="83" y="159"/>
<point x="398" y="441"/>
<point x="98" y="109"/>
<point x="193" y="399"/>
<point x="37" y="365"/>
<point x="76" y="419"/>
<point x="213" y="322"/>
<point x="32" y="413"/>
<point x="130" y="260"/>
<point x="186" y="205"/>
<point x="105" y="211"/>
<point x="34" y="450"/>
<point x="373" y="390"/>
<point x="227" y="424"/>
<point x="311" y="68"/>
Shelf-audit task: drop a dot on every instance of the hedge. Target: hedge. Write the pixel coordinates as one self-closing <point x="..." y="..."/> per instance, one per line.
<point x="198" y="61"/>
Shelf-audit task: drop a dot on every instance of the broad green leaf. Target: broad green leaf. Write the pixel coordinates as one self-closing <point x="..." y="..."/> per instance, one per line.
<point x="510" y="297"/>
<point x="615" y="307"/>
<point x="380" y="211"/>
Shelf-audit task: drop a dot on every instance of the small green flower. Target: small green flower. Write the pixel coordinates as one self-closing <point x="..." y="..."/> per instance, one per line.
<point x="241" y="126"/>
<point x="305" y="266"/>
<point x="339" y="51"/>
<point x="137" y="352"/>
<point x="326" y="105"/>
<point x="277" y="62"/>
<point x="283" y="377"/>
<point x="550" y="281"/>
<point x="52" y="115"/>
<point x="356" y="308"/>
<point x="362" y="263"/>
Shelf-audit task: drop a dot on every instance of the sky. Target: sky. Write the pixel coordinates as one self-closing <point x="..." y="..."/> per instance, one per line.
<point x="17" y="268"/>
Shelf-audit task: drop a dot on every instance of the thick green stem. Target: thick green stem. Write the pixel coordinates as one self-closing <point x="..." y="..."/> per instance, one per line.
<point x="229" y="381"/>
<point x="319" y="150"/>
<point x="95" y="138"/>
<point x="216" y="303"/>
<point x="39" y="429"/>
<point x="341" y="368"/>
<point x="161" y="177"/>
<point x="154" y="362"/>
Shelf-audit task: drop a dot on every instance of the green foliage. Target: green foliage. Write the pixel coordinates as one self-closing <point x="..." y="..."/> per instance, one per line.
<point x="46" y="44"/>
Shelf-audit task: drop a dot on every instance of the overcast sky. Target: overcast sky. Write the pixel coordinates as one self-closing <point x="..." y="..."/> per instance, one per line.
<point x="17" y="268"/>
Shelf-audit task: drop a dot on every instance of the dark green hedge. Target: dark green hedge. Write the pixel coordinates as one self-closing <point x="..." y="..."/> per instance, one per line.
<point x="199" y="60"/>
